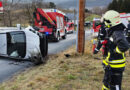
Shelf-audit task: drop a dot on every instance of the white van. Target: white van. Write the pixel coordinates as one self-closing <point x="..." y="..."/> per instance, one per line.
<point x="23" y="44"/>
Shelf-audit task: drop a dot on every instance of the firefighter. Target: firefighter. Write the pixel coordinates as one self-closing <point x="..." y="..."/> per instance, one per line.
<point x="116" y="44"/>
<point x="128" y="30"/>
<point x="101" y="39"/>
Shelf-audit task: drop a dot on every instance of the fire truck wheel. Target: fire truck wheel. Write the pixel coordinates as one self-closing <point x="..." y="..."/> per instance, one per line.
<point x="58" y="37"/>
<point x="72" y="31"/>
<point x="64" y="37"/>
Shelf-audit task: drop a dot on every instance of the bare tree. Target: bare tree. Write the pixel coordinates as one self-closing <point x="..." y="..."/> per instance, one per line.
<point x="99" y="10"/>
<point x="9" y="6"/>
<point x="31" y="7"/>
<point x="17" y="11"/>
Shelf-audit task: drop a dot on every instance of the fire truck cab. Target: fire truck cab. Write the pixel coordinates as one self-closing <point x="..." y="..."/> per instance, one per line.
<point x="124" y="18"/>
<point x="96" y="27"/>
<point x="70" y="27"/>
<point x="51" y="22"/>
<point x="1" y="7"/>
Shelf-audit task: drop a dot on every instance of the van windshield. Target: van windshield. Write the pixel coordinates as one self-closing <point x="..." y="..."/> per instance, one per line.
<point x="97" y="23"/>
<point x="16" y="44"/>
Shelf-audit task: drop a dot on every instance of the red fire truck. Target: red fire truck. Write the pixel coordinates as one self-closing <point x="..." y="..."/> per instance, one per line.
<point x="95" y="30"/>
<point x="1" y="7"/>
<point x="70" y="27"/>
<point x="124" y="18"/>
<point x="51" y="22"/>
<point x="96" y="27"/>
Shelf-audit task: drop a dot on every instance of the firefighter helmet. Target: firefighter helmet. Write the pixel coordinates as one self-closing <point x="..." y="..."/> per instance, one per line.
<point x="112" y="18"/>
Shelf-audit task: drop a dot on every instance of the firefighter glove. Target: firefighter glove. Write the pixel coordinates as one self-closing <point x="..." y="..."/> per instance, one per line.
<point x="95" y="51"/>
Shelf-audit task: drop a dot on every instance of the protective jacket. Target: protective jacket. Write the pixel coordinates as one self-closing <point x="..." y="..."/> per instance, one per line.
<point x="128" y="30"/>
<point x="127" y="33"/>
<point x="128" y="26"/>
<point x="116" y="46"/>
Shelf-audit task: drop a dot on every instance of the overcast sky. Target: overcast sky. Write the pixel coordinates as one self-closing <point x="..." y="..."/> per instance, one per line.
<point x="73" y="3"/>
<point x="58" y="1"/>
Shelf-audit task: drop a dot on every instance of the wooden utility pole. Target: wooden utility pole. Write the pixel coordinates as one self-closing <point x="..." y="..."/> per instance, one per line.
<point x="81" y="31"/>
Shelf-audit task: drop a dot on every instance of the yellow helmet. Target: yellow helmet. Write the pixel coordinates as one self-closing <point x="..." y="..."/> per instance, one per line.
<point x="112" y="18"/>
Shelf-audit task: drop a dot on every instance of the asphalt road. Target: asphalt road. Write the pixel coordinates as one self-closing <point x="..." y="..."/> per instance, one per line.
<point x="10" y="67"/>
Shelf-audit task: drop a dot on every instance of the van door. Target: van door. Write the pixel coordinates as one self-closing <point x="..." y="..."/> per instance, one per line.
<point x="16" y="44"/>
<point x="3" y="44"/>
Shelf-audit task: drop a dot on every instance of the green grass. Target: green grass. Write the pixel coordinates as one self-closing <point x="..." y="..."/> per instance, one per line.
<point x="90" y="17"/>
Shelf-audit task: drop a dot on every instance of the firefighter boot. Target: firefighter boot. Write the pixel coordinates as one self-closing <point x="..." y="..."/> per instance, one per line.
<point x="116" y="87"/>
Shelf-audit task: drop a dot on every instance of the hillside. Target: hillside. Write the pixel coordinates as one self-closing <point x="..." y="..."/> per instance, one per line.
<point x="76" y="72"/>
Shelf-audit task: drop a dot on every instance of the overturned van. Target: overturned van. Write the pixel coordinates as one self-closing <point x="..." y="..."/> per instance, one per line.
<point x="23" y="44"/>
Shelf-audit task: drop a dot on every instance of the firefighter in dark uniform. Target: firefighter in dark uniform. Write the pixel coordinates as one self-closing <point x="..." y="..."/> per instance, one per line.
<point x="128" y="31"/>
<point x="101" y="39"/>
<point x="114" y="63"/>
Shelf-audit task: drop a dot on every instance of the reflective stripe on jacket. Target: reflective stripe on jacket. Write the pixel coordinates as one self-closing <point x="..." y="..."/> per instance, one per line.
<point x="117" y="63"/>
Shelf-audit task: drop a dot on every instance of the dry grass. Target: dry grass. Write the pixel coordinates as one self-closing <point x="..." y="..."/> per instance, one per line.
<point x="76" y="72"/>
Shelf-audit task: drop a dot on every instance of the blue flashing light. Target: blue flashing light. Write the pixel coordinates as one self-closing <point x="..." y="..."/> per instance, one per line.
<point x="54" y="10"/>
<point x="47" y="33"/>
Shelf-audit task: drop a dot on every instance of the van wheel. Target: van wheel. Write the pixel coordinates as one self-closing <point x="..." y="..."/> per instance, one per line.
<point x="64" y="37"/>
<point x="58" y="37"/>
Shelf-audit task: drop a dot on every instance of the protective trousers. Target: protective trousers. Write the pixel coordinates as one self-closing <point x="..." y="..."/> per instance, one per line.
<point x="112" y="79"/>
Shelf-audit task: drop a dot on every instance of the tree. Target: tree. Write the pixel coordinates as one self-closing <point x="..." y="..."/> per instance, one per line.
<point x="37" y="3"/>
<point x="99" y="10"/>
<point x="9" y="6"/>
<point x="86" y="10"/>
<point x="113" y="5"/>
<point x="127" y="6"/>
<point x="120" y="5"/>
<point x="52" y="5"/>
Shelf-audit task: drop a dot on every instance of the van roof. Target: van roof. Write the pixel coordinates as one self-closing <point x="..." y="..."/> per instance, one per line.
<point x="8" y="29"/>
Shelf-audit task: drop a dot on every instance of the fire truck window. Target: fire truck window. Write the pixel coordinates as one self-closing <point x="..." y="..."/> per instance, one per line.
<point x="16" y="44"/>
<point x="67" y="25"/>
<point x="71" y="25"/>
<point x="58" y="22"/>
<point x="97" y="23"/>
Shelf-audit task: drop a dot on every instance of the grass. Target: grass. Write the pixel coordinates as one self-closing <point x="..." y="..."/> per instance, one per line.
<point x="91" y="16"/>
<point x="76" y="72"/>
